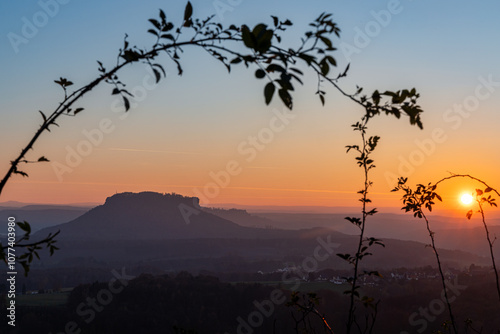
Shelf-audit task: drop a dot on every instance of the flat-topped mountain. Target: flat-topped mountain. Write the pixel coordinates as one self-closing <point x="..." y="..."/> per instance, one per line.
<point x="149" y="215"/>
<point x="173" y="231"/>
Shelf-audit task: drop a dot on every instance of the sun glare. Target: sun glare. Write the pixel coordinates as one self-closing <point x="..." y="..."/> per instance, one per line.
<point x="466" y="199"/>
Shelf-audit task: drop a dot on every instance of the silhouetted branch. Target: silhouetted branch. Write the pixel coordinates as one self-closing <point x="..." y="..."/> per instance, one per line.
<point x="480" y="200"/>
<point x="490" y="244"/>
<point x="210" y="36"/>
<point x="307" y="307"/>
<point x="441" y="274"/>
<point x="467" y="176"/>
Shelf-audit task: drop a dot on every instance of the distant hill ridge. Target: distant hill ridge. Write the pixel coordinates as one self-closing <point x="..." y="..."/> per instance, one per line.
<point x="151" y="215"/>
<point x="152" y="227"/>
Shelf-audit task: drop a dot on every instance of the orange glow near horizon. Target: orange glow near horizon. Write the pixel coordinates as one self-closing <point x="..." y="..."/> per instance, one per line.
<point x="286" y="173"/>
<point x="29" y="191"/>
<point x="186" y="134"/>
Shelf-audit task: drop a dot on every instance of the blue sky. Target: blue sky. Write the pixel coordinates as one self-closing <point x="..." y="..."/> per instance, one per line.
<point x="441" y="48"/>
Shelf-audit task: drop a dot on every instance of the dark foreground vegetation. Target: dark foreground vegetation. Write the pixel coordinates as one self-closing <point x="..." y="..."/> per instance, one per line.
<point x="183" y="303"/>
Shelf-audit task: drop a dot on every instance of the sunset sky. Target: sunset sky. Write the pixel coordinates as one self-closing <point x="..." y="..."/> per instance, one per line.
<point x="184" y="131"/>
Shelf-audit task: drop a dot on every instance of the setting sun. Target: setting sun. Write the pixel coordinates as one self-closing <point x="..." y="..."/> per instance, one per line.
<point x="466" y="199"/>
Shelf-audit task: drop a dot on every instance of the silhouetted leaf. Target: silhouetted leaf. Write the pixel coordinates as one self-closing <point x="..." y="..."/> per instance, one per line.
<point x="77" y="110"/>
<point x="376" y="97"/>
<point x="236" y="60"/>
<point x="331" y="60"/>
<point x="43" y="159"/>
<point x="188" y="12"/>
<point x="126" y="92"/>
<point x="354" y="220"/>
<point x="52" y="249"/>
<point x="130" y="55"/>
<point x="155" y="23"/>
<point x="101" y="67"/>
<point x="167" y="27"/>
<point x="275" y="68"/>
<point x="286" y="98"/>
<point x="168" y="36"/>
<point x="328" y="44"/>
<point x="25" y="226"/>
<point x="21" y="173"/>
<point x="296" y="70"/>
<point x="247" y="37"/>
<point x="157" y="75"/>
<point x="179" y="67"/>
<point x="263" y="37"/>
<point x="126" y="103"/>
<point x="275" y="20"/>
<point x="269" y="92"/>
<point x="324" y="67"/>
<point x="63" y="82"/>
<point x="307" y="58"/>
<point x="344" y="256"/>
<point x="322" y="99"/>
<point x="260" y="74"/>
